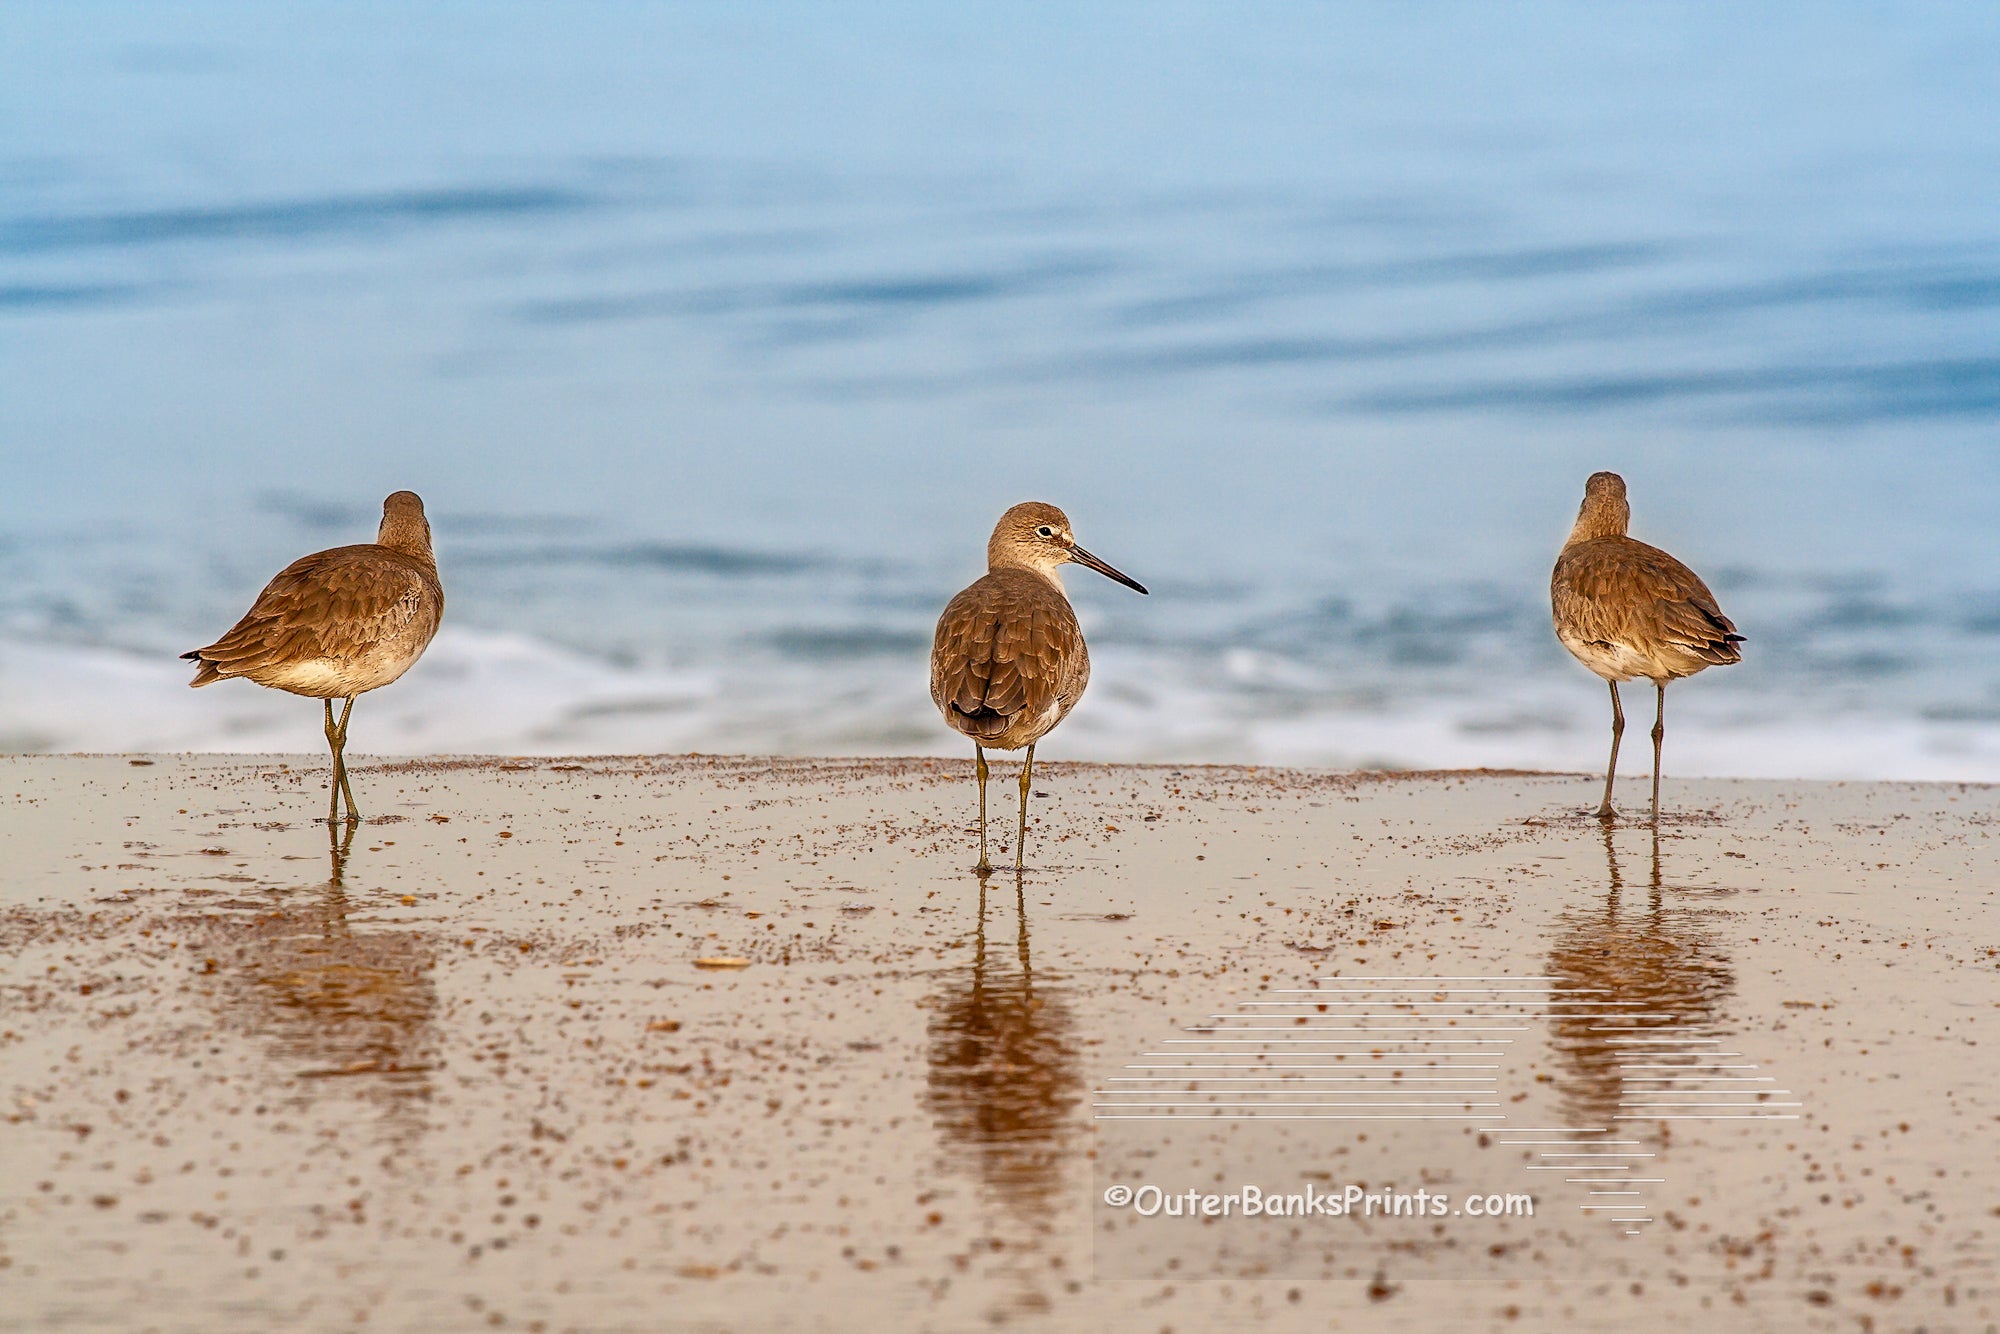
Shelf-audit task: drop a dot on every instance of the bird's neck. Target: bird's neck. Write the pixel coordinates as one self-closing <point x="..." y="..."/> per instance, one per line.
<point x="411" y="537"/>
<point x="1600" y="518"/>
<point x="998" y="561"/>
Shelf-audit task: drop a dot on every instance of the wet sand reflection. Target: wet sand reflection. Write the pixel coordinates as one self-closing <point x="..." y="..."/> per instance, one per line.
<point x="1658" y="962"/>
<point x="342" y="1008"/>
<point x="1005" y="1082"/>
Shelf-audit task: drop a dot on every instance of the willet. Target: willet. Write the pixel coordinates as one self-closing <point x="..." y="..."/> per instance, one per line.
<point x="337" y="624"/>
<point x="1626" y="610"/>
<point x="1008" y="662"/>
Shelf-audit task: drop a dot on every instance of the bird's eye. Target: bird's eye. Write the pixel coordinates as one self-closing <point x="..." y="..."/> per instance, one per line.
<point x="1046" y="531"/>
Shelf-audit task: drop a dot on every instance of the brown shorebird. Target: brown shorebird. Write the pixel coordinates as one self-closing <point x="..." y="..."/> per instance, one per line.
<point x="1008" y="662"/>
<point x="1627" y="610"/>
<point x="337" y="624"/>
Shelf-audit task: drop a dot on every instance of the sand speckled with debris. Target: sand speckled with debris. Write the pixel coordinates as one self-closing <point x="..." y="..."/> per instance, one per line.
<point x="476" y="1078"/>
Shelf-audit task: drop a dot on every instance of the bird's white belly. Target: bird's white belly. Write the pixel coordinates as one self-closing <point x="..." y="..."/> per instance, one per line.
<point x="337" y="678"/>
<point x="1610" y="659"/>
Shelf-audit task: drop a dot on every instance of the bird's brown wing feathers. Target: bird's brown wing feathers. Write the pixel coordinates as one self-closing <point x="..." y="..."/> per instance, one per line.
<point x="1006" y="647"/>
<point x="1617" y="590"/>
<point x="331" y="604"/>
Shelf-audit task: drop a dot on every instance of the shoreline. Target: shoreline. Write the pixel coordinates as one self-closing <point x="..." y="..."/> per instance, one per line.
<point x="305" y="762"/>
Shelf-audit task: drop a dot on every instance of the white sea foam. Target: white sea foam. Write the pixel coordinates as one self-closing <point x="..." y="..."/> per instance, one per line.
<point x="473" y="692"/>
<point x="481" y="692"/>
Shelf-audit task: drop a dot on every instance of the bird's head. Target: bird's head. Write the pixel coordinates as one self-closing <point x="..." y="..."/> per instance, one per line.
<point x="404" y="527"/>
<point x="1037" y="536"/>
<point x="1605" y="511"/>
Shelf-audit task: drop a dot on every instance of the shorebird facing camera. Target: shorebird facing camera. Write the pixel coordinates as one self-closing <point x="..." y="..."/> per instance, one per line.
<point x="1008" y="662"/>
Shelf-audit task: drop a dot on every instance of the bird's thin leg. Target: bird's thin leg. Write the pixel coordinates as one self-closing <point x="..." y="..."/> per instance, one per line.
<point x="333" y="781"/>
<point x="1604" y="811"/>
<point x="1659" y="735"/>
<point x="340" y="761"/>
<point x="1021" y="834"/>
<point x="985" y="867"/>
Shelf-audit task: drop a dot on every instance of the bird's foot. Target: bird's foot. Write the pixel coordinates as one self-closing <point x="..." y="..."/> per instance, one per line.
<point x="1606" y="814"/>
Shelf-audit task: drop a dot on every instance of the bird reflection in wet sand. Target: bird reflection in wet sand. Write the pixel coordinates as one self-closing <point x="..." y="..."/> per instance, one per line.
<point x="1658" y="962"/>
<point x="1006" y="1080"/>
<point x="343" y="1007"/>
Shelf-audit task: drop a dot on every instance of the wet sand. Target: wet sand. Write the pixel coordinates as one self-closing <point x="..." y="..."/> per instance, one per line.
<point x="473" y="1073"/>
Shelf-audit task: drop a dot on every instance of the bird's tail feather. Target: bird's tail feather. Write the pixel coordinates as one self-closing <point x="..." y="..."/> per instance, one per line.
<point x="984" y="723"/>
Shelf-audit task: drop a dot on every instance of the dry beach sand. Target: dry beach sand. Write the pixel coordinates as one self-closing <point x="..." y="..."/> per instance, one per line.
<point x="474" y="1074"/>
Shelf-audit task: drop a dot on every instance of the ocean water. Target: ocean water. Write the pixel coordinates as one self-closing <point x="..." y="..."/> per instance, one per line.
<point x="716" y="337"/>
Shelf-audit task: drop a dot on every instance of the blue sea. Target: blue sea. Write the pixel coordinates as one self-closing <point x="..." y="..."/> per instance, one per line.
<point x="715" y="337"/>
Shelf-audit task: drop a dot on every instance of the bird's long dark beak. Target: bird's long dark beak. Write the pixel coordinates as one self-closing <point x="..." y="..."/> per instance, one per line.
<point x="1082" y="557"/>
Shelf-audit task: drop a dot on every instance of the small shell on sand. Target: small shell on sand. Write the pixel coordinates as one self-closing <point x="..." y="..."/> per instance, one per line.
<point x="722" y="961"/>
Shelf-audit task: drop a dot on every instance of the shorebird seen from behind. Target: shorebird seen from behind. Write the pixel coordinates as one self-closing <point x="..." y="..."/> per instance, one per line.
<point x="1627" y="610"/>
<point x="1008" y="662"/>
<point x="337" y="624"/>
